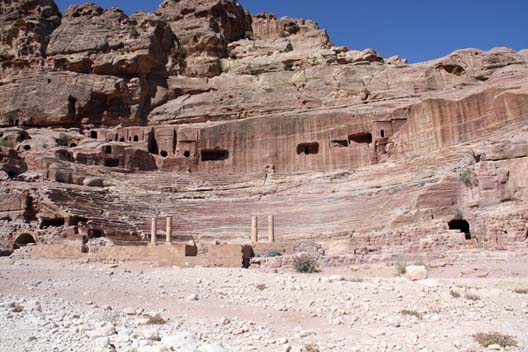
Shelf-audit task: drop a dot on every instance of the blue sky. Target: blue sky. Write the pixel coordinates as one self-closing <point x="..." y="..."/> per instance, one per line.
<point x="418" y="30"/>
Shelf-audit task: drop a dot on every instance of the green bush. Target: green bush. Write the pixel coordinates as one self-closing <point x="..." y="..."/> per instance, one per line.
<point x="465" y="176"/>
<point x="305" y="263"/>
<point x="62" y="140"/>
<point x="274" y="253"/>
<point x="5" y="143"/>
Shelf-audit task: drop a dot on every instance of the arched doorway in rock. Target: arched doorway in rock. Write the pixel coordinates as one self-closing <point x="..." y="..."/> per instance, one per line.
<point x="462" y="226"/>
<point x="23" y="240"/>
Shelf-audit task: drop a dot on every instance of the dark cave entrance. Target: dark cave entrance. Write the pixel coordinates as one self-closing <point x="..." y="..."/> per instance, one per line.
<point x="365" y="138"/>
<point x="72" y="110"/>
<point x="56" y="222"/>
<point x="110" y="162"/>
<point x="308" y="148"/>
<point x="23" y="240"/>
<point x="462" y="226"/>
<point x="152" y="143"/>
<point x="214" y="154"/>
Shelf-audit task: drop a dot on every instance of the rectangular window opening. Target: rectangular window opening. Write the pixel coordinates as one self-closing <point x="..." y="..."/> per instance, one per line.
<point x="308" y="148"/>
<point x="214" y="154"/>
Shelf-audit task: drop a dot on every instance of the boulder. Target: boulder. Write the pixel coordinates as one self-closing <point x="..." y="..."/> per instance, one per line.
<point x="93" y="182"/>
<point x="416" y="272"/>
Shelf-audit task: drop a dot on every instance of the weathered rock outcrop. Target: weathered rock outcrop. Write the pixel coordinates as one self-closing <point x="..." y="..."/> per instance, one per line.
<point x="208" y="114"/>
<point x="205" y="28"/>
<point x="25" y="28"/>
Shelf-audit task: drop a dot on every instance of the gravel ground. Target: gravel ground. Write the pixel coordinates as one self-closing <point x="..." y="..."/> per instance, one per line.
<point x="74" y="306"/>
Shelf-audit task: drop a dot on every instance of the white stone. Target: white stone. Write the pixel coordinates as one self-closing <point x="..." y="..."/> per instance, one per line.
<point x="192" y="297"/>
<point x="416" y="272"/>
<point x="212" y="348"/>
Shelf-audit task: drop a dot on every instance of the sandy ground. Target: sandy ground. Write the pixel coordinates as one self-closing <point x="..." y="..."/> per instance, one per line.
<point x="73" y="306"/>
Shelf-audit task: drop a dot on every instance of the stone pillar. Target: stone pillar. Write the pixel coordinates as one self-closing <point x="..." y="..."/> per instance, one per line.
<point x="254" y="228"/>
<point x="153" y="229"/>
<point x="169" y="230"/>
<point x="271" y="229"/>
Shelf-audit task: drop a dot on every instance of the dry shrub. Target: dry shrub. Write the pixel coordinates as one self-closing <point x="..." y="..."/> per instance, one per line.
<point x="454" y="294"/>
<point x="401" y="265"/>
<point x="472" y="297"/>
<point x="495" y="338"/>
<point x="155" y="320"/>
<point x="312" y="348"/>
<point x="412" y="313"/>
<point x="262" y="287"/>
<point x="521" y="291"/>
<point x="305" y="263"/>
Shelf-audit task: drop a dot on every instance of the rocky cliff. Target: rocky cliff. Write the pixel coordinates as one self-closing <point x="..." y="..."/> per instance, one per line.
<point x="203" y="111"/>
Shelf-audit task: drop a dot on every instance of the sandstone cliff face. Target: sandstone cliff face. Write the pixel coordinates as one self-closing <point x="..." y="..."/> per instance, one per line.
<point x="204" y="28"/>
<point x="25" y="28"/>
<point x="209" y="114"/>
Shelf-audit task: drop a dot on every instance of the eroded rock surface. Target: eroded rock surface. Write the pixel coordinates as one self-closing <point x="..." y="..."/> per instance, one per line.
<point x="209" y="114"/>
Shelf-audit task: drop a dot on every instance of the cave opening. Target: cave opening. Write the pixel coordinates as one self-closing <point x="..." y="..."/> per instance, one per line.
<point x="152" y="143"/>
<point x="365" y="137"/>
<point x="51" y="222"/>
<point x="187" y="154"/>
<point x="97" y="233"/>
<point x="382" y="133"/>
<point x="136" y="139"/>
<point x="308" y="148"/>
<point x="339" y="143"/>
<point x="72" y="110"/>
<point x="164" y="154"/>
<point x="462" y="226"/>
<point x="93" y="134"/>
<point x="23" y="240"/>
<point x="110" y="162"/>
<point x="107" y="149"/>
<point x="214" y="154"/>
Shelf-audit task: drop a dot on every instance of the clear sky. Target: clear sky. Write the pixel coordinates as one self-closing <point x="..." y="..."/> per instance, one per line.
<point x="417" y="30"/>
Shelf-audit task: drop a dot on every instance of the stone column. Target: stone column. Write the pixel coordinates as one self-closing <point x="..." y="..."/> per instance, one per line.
<point x="254" y="228"/>
<point x="169" y="230"/>
<point x="271" y="229"/>
<point x="153" y="229"/>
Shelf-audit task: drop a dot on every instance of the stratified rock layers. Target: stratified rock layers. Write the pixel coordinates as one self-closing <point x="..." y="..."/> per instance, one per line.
<point x="209" y="114"/>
